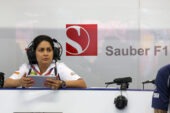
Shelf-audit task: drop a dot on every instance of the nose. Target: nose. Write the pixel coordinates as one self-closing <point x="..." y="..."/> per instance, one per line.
<point x="45" y="52"/>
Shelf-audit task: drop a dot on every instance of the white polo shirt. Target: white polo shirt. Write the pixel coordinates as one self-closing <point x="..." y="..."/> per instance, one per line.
<point x="64" y="72"/>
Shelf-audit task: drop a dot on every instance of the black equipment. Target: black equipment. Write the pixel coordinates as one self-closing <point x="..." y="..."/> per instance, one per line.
<point x="2" y="79"/>
<point x="121" y="101"/>
<point x="32" y="56"/>
<point x="124" y="82"/>
<point x="148" y="81"/>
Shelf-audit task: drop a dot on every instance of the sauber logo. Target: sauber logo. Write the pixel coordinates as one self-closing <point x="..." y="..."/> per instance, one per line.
<point x="82" y="40"/>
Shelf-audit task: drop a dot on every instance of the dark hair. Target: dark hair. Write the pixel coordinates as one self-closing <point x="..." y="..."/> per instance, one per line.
<point x="41" y="38"/>
<point x="34" y="44"/>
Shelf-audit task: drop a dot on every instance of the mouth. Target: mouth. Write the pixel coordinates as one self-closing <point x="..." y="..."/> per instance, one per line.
<point x="45" y="59"/>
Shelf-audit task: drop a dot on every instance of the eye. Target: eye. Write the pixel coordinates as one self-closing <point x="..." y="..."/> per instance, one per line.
<point x="41" y="50"/>
<point x="49" y="49"/>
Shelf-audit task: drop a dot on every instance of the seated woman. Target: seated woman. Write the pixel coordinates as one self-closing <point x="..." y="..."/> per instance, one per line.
<point x="43" y="56"/>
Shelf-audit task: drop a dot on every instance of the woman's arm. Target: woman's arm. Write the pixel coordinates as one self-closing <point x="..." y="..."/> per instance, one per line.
<point x="12" y="83"/>
<point x="56" y="84"/>
<point x="80" y="83"/>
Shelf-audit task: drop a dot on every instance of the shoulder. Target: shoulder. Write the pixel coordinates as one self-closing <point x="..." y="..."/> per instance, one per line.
<point x="163" y="75"/>
<point x="24" y="66"/>
<point x="62" y="67"/>
<point x="61" y="64"/>
<point x="165" y="68"/>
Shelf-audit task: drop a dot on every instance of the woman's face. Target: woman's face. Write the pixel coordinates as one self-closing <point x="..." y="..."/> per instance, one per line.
<point x="44" y="53"/>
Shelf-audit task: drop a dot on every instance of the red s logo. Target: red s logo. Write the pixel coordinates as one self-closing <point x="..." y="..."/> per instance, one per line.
<point x="82" y="40"/>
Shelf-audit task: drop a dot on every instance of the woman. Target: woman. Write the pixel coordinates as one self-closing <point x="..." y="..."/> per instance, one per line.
<point x="44" y="64"/>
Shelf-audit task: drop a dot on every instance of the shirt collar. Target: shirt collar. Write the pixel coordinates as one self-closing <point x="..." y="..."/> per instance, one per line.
<point x="52" y="65"/>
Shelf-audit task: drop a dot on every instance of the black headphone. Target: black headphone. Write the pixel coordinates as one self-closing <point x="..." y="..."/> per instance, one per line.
<point x="1" y="79"/>
<point x="120" y="102"/>
<point x="31" y="52"/>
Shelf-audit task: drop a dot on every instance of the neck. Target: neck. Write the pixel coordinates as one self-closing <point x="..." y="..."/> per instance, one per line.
<point x="43" y="68"/>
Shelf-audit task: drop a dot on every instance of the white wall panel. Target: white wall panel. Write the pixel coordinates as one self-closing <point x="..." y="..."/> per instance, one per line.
<point x="121" y="24"/>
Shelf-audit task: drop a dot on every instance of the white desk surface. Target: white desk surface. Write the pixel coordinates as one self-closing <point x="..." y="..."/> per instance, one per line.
<point x="92" y="100"/>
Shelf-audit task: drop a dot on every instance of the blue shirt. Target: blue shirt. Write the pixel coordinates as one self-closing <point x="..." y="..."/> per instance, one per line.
<point x="161" y="96"/>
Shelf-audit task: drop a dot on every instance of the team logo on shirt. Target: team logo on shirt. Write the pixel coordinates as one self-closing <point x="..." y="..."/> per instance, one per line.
<point x="16" y="72"/>
<point x="72" y="73"/>
<point x="156" y="95"/>
<point x="82" y="39"/>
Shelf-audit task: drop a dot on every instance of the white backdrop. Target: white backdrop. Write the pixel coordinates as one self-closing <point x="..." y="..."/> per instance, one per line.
<point x="120" y="24"/>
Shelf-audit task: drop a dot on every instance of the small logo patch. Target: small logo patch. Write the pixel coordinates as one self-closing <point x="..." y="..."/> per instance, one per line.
<point x="156" y="95"/>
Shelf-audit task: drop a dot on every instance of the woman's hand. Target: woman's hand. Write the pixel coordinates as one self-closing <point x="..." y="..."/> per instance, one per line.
<point x="53" y="83"/>
<point x="26" y="82"/>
